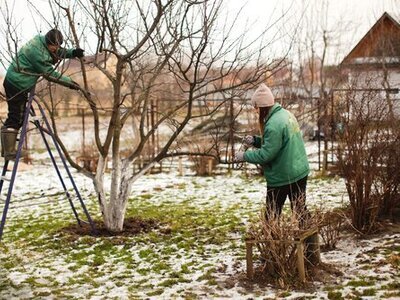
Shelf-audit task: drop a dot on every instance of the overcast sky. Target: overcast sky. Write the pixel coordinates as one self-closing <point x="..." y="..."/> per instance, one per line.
<point x="356" y="16"/>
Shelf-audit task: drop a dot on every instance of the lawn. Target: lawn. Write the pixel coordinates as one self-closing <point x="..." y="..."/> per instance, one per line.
<point x="191" y="245"/>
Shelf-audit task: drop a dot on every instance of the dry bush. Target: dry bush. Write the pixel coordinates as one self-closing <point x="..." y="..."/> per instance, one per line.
<point x="330" y="224"/>
<point x="202" y="149"/>
<point x="201" y="165"/>
<point x="368" y="158"/>
<point x="88" y="158"/>
<point x="387" y="184"/>
<point x="277" y="247"/>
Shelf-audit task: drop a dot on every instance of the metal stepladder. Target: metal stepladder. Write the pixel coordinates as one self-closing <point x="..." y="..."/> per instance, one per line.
<point x="35" y="119"/>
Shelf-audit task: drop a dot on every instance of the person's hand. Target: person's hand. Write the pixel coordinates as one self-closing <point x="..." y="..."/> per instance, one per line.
<point x="74" y="86"/>
<point x="239" y="157"/>
<point x="78" y="52"/>
<point x="248" y="140"/>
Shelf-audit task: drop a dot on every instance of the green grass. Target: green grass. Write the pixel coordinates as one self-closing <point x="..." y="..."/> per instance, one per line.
<point x="361" y="282"/>
<point x="146" y="196"/>
<point x="332" y="295"/>
<point x="155" y="292"/>
<point x="193" y="230"/>
<point x="150" y="259"/>
<point x="168" y="282"/>
<point x="284" y="294"/>
<point x="369" y="292"/>
<point x="393" y="286"/>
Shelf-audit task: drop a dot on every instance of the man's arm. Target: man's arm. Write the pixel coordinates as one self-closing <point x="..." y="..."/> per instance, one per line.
<point x="45" y="68"/>
<point x="70" y="53"/>
<point x="65" y="53"/>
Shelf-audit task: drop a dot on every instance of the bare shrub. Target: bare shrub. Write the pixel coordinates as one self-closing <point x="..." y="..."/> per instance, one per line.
<point x="203" y="165"/>
<point x="88" y="158"/>
<point x="276" y="236"/>
<point x="330" y="224"/>
<point x="368" y="158"/>
<point x="203" y="155"/>
<point x="387" y="184"/>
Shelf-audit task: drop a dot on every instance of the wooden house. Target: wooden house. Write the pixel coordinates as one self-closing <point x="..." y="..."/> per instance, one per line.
<point x="374" y="63"/>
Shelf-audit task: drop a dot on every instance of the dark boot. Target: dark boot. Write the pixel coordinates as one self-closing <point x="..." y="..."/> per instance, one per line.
<point x="8" y="142"/>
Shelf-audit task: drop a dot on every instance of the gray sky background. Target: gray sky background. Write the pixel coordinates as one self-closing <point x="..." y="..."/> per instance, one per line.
<point x="354" y="17"/>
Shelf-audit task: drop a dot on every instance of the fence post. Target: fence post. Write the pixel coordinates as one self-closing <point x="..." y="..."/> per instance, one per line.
<point x="249" y="260"/>
<point x="180" y="166"/>
<point x="300" y="261"/>
<point x="210" y="165"/>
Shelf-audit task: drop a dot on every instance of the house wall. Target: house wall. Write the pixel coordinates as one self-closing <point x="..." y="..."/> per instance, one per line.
<point x="375" y="79"/>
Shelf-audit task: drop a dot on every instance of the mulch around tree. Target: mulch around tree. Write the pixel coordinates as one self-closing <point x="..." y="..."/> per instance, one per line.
<point x="132" y="226"/>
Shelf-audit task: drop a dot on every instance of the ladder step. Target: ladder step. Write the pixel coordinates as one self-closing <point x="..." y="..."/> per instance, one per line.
<point x="5" y="178"/>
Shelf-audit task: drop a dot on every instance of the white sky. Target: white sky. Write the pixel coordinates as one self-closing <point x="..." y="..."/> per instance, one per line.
<point x="354" y="17"/>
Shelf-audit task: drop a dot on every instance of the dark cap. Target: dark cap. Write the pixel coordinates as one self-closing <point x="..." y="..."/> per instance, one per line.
<point x="54" y="37"/>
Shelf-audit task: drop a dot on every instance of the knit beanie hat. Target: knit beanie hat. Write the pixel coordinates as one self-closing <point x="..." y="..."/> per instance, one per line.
<point x="262" y="97"/>
<point x="54" y="37"/>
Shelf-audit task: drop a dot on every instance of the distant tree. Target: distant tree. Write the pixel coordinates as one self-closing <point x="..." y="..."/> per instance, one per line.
<point x="316" y="47"/>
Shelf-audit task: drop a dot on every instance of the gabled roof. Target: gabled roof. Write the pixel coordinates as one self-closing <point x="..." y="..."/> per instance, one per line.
<point x="382" y="40"/>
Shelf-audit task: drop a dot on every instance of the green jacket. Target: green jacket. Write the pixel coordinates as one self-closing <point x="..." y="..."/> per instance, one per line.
<point x="281" y="151"/>
<point x="34" y="60"/>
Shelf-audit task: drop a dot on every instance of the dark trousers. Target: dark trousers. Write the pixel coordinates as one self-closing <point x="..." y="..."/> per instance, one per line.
<point x="276" y="197"/>
<point x="16" y="101"/>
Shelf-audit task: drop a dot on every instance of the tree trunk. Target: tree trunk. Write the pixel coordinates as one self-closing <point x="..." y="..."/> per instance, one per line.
<point x="114" y="215"/>
<point x="113" y="209"/>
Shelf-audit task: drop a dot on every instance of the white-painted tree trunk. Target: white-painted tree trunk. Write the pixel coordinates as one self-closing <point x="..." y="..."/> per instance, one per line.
<point x="113" y="208"/>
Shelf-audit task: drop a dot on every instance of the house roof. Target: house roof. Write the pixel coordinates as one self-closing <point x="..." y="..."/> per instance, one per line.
<point x="382" y="41"/>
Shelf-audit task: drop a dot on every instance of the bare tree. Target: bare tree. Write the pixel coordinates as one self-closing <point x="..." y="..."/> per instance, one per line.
<point x="315" y="75"/>
<point x="179" y="54"/>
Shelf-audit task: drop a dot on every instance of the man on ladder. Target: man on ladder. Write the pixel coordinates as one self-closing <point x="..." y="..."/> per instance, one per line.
<point x="36" y="58"/>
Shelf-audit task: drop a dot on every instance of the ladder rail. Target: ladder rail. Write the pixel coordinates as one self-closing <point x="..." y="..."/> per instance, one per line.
<point x="37" y="124"/>
<point x="3" y="174"/>
<point x="60" y="153"/>
<point x="18" y="156"/>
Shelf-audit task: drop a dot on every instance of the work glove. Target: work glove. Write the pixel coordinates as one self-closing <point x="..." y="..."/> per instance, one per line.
<point x="74" y="86"/>
<point x="248" y="140"/>
<point x="78" y="52"/>
<point x="239" y="157"/>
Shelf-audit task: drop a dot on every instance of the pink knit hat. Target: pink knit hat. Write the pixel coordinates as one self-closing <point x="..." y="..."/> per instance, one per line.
<point x="262" y="97"/>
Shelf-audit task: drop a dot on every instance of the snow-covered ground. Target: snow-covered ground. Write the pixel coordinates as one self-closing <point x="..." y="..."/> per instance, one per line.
<point x="200" y="256"/>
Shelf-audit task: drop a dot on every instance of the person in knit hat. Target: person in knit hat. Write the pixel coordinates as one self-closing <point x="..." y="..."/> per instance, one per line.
<point x="35" y="59"/>
<point x="280" y="152"/>
<point x="262" y="97"/>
